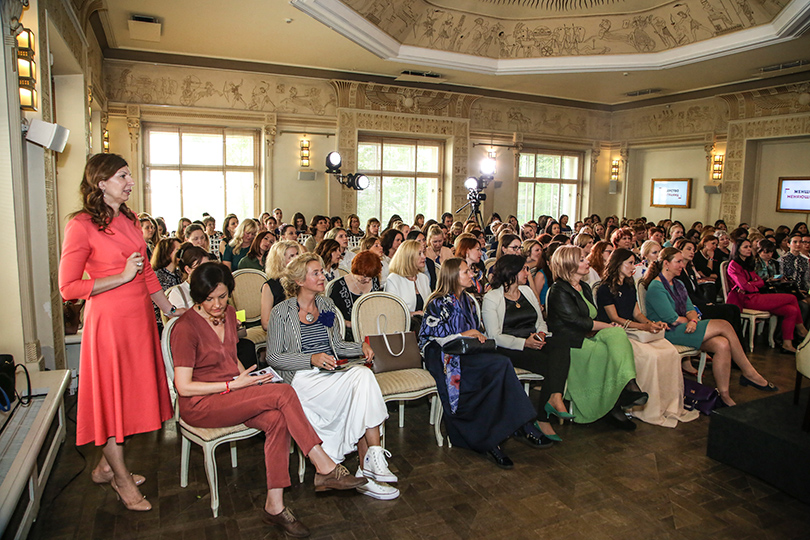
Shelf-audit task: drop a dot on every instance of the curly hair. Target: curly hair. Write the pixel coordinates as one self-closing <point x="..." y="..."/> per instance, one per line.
<point x="99" y="168"/>
<point x="297" y="271"/>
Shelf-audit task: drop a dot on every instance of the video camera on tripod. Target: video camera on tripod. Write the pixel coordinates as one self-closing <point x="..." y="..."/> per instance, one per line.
<point x="475" y="185"/>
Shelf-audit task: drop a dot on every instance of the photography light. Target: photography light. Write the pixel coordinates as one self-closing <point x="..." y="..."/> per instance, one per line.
<point x="487" y="168"/>
<point x="471" y="183"/>
<point x="357" y="181"/>
<point x="333" y="163"/>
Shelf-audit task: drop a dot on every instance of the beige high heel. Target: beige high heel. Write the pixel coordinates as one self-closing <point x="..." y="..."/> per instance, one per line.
<point x="141" y="506"/>
<point x="106" y="479"/>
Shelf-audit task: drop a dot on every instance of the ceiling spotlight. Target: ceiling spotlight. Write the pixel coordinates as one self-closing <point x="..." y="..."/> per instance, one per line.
<point x="471" y="183"/>
<point x="487" y="167"/>
<point x="333" y="163"/>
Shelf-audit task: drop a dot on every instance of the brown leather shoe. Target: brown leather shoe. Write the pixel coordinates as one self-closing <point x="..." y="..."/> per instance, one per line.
<point x="287" y="521"/>
<point x="339" y="478"/>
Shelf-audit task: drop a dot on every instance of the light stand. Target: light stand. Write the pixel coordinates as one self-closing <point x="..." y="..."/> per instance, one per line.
<point x="474" y="187"/>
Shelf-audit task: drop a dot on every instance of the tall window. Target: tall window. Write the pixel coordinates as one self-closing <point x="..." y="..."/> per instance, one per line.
<point x="191" y="169"/>
<point x="547" y="184"/>
<point x="404" y="178"/>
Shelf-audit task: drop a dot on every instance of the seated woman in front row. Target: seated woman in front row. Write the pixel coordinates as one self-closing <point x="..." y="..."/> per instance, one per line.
<point x="602" y="377"/>
<point x="513" y="318"/>
<point x="346" y="408"/>
<point x="658" y="364"/>
<point x="483" y="401"/>
<point x="217" y="391"/>
<point x="668" y="301"/>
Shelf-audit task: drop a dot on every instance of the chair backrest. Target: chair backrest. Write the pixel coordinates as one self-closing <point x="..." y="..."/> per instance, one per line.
<point x="168" y="361"/>
<point x="641" y="297"/>
<point x="302" y="238"/>
<point x="803" y="357"/>
<point x="595" y="286"/>
<point x="724" y="279"/>
<point x="488" y="264"/>
<point x="341" y="272"/>
<point x="327" y="291"/>
<point x="370" y="305"/>
<point x="354" y="241"/>
<point x="247" y="292"/>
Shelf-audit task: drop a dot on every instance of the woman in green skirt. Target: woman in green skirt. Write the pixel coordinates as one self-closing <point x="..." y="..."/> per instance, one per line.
<point x="602" y="376"/>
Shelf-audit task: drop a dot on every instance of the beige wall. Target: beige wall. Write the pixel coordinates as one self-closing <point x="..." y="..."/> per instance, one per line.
<point x="287" y="191"/>
<point x="784" y="157"/>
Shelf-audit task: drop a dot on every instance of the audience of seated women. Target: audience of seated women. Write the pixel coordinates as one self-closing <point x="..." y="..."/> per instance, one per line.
<point x="346" y="408"/>
<point x="483" y="401"/>
<point x="329" y="252"/>
<point x="513" y="318"/>
<point x="256" y="257"/>
<point x="408" y="281"/>
<point x="602" y="376"/>
<point x="272" y="291"/>
<point x="668" y="301"/>
<point x="238" y="247"/>
<point x="363" y="278"/>
<point x="215" y="390"/>
<point x="744" y="285"/>
<point x="658" y="364"/>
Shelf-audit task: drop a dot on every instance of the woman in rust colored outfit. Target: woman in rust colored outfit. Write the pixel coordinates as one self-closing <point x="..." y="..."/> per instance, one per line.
<point x="217" y="391"/>
<point x="122" y="388"/>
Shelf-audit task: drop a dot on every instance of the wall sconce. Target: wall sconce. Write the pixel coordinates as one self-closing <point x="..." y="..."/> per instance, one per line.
<point x="27" y="70"/>
<point x="614" y="170"/>
<point x="717" y="167"/>
<point x="105" y="141"/>
<point x="305" y="152"/>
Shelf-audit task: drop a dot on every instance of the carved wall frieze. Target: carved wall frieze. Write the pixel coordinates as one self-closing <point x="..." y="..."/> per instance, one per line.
<point x="774" y="101"/>
<point x="377" y="97"/>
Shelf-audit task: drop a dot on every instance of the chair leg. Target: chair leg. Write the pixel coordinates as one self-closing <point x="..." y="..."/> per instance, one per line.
<point x="437" y="425"/>
<point x="185" y="450"/>
<point x="701" y="367"/>
<point x="798" y="388"/>
<point x="213" y="480"/>
<point x="401" y="413"/>
<point x="526" y="387"/>
<point x="751" y="334"/>
<point x="433" y="401"/>
<point x="382" y="434"/>
<point x="302" y="465"/>
<point x="771" y="331"/>
<point x="233" y="454"/>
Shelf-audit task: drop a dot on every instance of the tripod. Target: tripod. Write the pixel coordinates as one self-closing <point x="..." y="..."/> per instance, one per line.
<point x="475" y="211"/>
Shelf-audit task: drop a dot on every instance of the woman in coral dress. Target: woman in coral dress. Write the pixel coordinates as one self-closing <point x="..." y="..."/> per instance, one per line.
<point x="122" y="387"/>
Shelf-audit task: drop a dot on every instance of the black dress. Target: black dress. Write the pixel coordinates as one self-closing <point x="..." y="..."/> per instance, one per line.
<point x="552" y="361"/>
<point x="344" y="299"/>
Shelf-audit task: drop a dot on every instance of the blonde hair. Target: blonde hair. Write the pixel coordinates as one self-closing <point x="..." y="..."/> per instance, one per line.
<point x="647" y="247"/>
<point x="581" y="239"/>
<point x="274" y="267"/>
<point x="434" y="230"/>
<point x="564" y="262"/>
<point x="403" y="262"/>
<point x="247" y="226"/>
<point x="297" y="271"/>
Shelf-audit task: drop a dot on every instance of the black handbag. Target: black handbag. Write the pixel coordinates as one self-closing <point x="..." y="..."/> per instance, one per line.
<point x="468" y="345"/>
<point x="8" y="386"/>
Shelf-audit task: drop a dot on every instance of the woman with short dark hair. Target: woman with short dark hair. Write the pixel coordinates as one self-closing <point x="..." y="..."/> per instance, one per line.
<point x="215" y="390"/>
<point x="513" y="318"/>
<point x="363" y="278"/>
<point x="317" y="231"/>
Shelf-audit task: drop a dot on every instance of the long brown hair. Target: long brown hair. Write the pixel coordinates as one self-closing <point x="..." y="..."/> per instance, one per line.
<point x="447" y="278"/>
<point x="613" y="277"/>
<point x="101" y="167"/>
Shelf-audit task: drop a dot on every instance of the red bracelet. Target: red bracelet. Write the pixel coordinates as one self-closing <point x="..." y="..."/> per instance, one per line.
<point x="227" y="388"/>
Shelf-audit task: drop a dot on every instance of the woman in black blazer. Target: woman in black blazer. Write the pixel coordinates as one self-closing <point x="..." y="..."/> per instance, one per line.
<point x="602" y="376"/>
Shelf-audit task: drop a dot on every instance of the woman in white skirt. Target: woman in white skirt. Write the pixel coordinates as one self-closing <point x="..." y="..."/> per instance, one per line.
<point x="346" y="408"/>
<point x="658" y="364"/>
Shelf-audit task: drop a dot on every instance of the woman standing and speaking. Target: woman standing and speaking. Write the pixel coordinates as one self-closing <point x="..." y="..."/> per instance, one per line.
<point x="122" y="390"/>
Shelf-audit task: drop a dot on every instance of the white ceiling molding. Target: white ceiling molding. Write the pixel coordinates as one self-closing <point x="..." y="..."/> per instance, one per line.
<point x="789" y="24"/>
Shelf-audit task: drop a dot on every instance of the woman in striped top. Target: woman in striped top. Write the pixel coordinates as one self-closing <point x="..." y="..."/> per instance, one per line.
<point x="346" y="408"/>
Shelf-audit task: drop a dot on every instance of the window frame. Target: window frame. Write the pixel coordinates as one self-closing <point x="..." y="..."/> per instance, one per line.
<point x="195" y="129"/>
<point x="440" y="144"/>
<point x="534" y="180"/>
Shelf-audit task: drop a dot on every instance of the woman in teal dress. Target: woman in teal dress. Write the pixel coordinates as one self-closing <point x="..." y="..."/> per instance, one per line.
<point x="668" y="301"/>
<point x="602" y="376"/>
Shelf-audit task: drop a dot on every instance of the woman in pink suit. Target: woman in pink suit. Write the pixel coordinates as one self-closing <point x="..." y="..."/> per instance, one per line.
<point x="122" y="388"/>
<point x="744" y="285"/>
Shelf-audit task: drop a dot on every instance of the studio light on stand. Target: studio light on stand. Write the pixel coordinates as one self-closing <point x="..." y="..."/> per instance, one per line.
<point x="356" y="181"/>
<point x="474" y="186"/>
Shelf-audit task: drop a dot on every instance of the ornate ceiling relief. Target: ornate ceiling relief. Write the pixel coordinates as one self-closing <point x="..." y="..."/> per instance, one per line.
<point x="592" y="32"/>
<point x="774" y="101"/>
<point x="377" y="97"/>
<point x="130" y="82"/>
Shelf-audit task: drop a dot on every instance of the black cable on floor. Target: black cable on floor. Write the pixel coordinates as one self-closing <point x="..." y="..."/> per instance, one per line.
<point x="47" y="505"/>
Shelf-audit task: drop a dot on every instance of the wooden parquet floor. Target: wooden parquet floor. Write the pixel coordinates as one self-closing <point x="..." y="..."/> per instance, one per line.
<point x="599" y="484"/>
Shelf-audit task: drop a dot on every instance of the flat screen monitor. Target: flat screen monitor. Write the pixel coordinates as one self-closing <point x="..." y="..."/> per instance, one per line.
<point x="671" y="193"/>
<point x="794" y="194"/>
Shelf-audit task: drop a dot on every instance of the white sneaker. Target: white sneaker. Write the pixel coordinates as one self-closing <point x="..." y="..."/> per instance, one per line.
<point x="377" y="490"/>
<point x="375" y="466"/>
